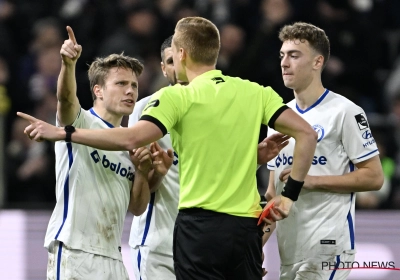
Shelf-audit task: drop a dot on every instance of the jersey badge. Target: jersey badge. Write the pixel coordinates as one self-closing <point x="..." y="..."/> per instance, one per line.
<point x="320" y="131"/>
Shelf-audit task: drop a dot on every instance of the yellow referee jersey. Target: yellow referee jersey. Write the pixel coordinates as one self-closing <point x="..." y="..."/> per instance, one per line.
<point x="214" y="124"/>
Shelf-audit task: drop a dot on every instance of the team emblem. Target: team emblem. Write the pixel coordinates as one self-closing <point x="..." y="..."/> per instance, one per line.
<point x="320" y="131"/>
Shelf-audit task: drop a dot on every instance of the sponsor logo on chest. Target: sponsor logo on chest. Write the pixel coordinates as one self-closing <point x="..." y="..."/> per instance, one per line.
<point x="117" y="167"/>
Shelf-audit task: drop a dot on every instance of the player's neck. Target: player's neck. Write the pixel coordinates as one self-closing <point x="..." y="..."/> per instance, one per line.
<point x="308" y="96"/>
<point x="113" y="119"/>
<point x="196" y="70"/>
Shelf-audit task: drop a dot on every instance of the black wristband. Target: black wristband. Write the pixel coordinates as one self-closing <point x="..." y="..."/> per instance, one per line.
<point x="292" y="189"/>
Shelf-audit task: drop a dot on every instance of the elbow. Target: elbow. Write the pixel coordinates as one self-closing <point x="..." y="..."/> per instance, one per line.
<point x="137" y="210"/>
<point x="377" y="184"/>
<point x="313" y="135"/>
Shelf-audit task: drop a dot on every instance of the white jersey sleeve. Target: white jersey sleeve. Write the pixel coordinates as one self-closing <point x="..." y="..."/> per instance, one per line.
<point x="356" y="135"/>
<point x="271" y="163"/>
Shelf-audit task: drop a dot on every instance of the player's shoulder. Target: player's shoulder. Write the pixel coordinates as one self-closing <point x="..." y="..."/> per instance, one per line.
<point x="342" y="103"/>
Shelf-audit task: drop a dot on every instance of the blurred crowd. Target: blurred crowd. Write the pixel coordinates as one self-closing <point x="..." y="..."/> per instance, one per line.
<point x="364" y="66"/>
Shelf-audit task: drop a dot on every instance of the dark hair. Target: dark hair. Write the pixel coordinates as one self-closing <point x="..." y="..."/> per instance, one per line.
<point x="165" y="45"/>
<point x="315" y="36"/>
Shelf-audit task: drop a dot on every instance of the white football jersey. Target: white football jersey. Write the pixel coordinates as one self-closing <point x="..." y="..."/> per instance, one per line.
<point x="155" y="227"/>
<point x="93" y="191"/>
<point x="323" y="222"/>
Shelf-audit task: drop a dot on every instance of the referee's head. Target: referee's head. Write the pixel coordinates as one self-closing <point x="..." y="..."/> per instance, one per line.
<point x="199" y="38"/>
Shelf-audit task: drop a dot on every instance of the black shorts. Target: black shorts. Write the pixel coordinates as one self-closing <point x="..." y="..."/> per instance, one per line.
<point x="211" y="245"/>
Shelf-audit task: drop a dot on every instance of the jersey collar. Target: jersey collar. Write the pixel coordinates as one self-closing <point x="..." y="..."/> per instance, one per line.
<point x="106" y="122"/>
<point x="322" y="97"/>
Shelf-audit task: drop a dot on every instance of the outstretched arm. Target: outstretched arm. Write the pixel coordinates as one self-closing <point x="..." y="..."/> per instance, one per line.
<point x="367" y="177"/>
<point x="68" y="103"/>
<point x="117" y="139"/>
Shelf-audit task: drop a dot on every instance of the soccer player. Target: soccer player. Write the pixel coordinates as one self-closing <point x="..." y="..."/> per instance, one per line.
<point x="213" y="121"/>
<point x="94" y="187"/>
<point x="320" y="227"/>
<point x="151" y="233"/>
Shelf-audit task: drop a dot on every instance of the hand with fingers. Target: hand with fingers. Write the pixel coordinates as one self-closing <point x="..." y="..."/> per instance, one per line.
<point x="280" y="210"/>
<point x="141" y="158"/>
<point x="271" y="146"/>
<point x="39" y="130"/>
<point x="70" y="50"/>
<point x="162" y="160"/>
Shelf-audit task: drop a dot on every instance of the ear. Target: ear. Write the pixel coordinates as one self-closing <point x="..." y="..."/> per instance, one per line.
<point x="182" y="54"/>
<point x="163" y="69"/>
<point x="98" y="91"/>
<point x="319" y="62"/>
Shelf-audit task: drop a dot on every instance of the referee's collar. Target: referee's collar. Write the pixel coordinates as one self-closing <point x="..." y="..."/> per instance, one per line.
<point x="206" y="75"/>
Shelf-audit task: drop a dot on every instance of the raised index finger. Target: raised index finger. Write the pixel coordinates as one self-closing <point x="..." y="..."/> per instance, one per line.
<point x="27" y="117"/>
<point x="71" y="35"/>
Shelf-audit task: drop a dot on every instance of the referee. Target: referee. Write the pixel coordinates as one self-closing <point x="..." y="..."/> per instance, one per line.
<point x="214" y="124"/>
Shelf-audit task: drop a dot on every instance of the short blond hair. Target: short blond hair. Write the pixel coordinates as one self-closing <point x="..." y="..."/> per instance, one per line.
<point x="101" y="66"/>
<point x="200" y="38"/>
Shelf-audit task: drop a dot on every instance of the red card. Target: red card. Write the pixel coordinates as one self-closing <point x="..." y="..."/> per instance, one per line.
<point x="265" y="213"/>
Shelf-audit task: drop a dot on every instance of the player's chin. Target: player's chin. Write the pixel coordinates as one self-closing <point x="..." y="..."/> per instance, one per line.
<point x="126" y="111"/>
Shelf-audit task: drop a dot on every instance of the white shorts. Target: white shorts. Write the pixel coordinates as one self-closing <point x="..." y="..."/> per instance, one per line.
<point x="318" y="269"/>
<point x="67" y="263"/>
<point x="150" y="265"/>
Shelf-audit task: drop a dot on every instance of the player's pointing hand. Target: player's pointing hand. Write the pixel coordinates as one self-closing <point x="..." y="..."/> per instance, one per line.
<point x="39" y="130"/>
<point x="70" y="50"/>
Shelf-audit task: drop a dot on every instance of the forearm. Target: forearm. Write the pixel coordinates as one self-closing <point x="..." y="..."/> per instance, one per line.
<point x="304" y="150"/>
<point x="119" y="139"/>
<point x="68" y="103"/>
<point x="357" y="181"/>
<point x="140" y="194"/>
<point x="116" y="139"/>
<point x="367" y="177"/>
<point x="66" y="84"/>
<point x="155" y="180"/>
<point x="268" y="230"/>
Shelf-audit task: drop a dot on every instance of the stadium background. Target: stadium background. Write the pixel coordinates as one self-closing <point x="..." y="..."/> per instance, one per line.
<point x="364" y="66"/>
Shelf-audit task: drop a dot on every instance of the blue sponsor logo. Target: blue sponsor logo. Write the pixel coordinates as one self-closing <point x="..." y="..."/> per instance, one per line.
<point x="288" y="160"/>
<point x="115" y="167"/>
<point x="369" y="143"/>
<point x="320" y="131"/>
<point x="367" y="134"/>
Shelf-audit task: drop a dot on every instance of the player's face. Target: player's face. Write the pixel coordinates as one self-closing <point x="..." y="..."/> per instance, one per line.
<point x="177" y="55"/>
<point x="120" y="92"/>
<point x="297" y="64"/>
<point x="167" y="66"/>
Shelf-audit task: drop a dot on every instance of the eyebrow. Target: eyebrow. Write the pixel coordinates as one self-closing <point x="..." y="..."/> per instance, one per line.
<point x="290" y="52"/>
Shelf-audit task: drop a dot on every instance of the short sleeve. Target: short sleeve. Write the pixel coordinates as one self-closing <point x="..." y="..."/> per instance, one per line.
<point x="272" y="103"/>
<point x="165" y="108"/>
<point x="137" y="111"/>
<point x="357" y="138"/>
